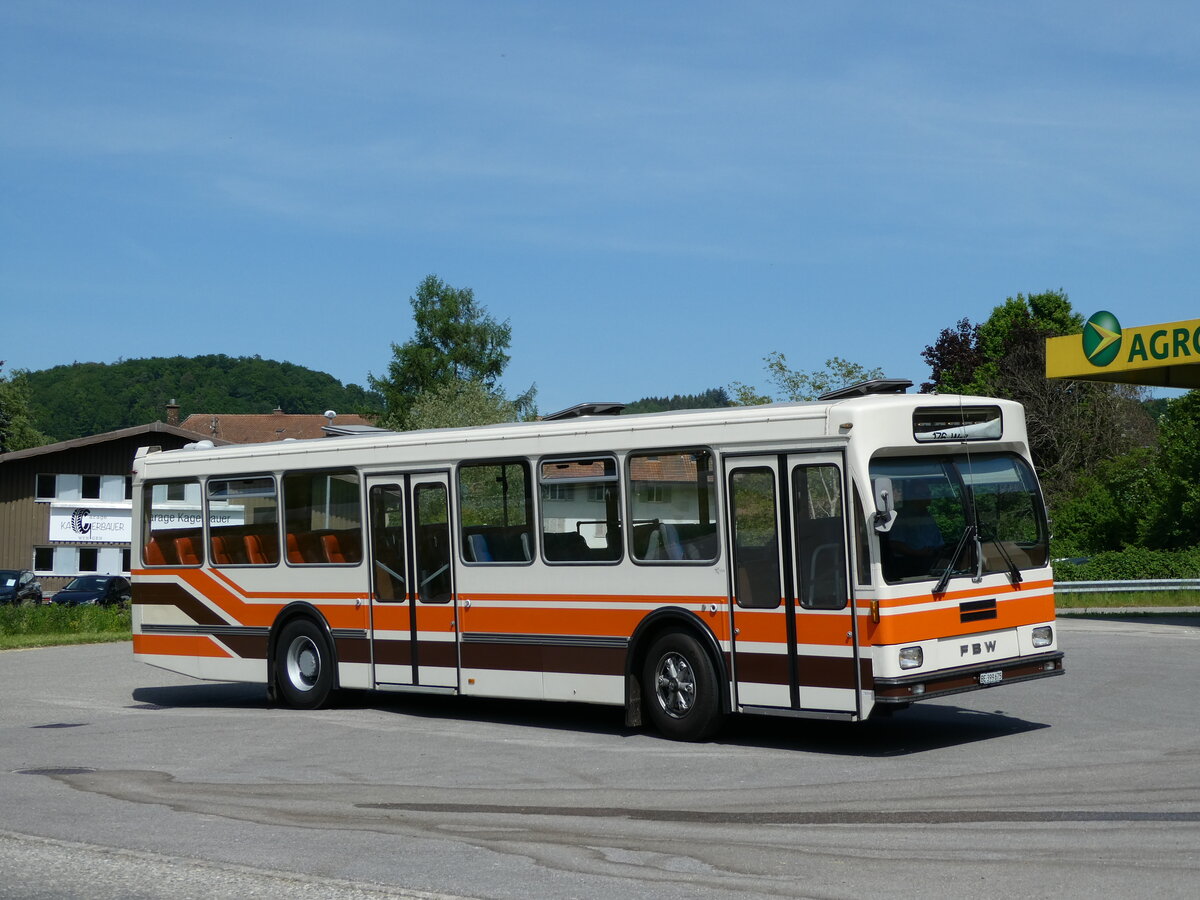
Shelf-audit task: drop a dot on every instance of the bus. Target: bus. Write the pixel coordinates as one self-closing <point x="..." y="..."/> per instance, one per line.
<point x="831" y="559"/>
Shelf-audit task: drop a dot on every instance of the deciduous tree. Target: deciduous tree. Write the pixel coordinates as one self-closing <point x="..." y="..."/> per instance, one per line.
<point x="796" y="385"/>
<point x="17" y="431"/>
<point x="457" y="351"/>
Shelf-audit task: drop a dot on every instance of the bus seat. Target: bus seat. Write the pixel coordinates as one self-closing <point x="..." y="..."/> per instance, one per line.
<point x="225" y="551"/>
<point x="477" y="544"/>
<point x="304" y="548"/>
<point x="256" y="551"/>
<point x="189" y="554"/>
<point x="156" y="553"/>
<point x="341" y="547"/>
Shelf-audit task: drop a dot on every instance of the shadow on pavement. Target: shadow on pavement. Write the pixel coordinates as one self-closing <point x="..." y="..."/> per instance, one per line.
<point x="919" y="729"/>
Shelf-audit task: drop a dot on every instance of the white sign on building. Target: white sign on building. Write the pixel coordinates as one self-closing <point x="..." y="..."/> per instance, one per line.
<point x="81" y="523"/>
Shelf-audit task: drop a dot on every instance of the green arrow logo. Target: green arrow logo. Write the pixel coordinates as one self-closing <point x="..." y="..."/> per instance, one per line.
<point x="1101" y="338"/>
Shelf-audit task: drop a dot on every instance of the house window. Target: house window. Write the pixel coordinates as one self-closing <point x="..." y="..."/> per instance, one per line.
<point x="91" y="487"/>
<point x="558" y="492"/>
<point x="89" y="559"/>
<point x="47" y="487"/>
<point x="43" y="559"/>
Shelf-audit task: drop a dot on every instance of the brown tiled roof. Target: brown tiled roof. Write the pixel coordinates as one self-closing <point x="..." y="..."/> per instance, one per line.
<point x="259" y="429"/>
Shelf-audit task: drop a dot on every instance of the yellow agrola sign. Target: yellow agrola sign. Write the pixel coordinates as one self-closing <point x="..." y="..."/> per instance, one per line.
<point x="1161" y="355"/>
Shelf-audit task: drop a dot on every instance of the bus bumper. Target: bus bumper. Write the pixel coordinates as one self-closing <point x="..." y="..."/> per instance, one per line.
<point x="929" y="685"/>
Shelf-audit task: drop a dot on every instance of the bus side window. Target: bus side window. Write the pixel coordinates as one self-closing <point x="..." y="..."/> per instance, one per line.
<point x="581" y="510"/>
<point x="496" y="512"/>
<point x="172" y="514"/>
<point x="322" y="518"/>
<point x="672" y="497"/>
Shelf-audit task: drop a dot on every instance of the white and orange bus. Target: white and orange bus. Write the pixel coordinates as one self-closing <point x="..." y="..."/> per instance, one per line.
<point x="831" y="559"/>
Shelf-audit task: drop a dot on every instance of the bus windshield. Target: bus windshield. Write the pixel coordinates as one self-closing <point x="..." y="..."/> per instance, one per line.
<point x="969" y="514"/>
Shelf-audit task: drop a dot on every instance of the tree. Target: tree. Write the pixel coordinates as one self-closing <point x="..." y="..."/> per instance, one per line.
<point x="457" y="404"/>
<point x="953" y="359"/>
<point x="1174" y="517"/>
<point x="1074" y="426"/>
<point x="795" y="385"/>
<point x="455" y="342"/>
<point x="17" y="431"/>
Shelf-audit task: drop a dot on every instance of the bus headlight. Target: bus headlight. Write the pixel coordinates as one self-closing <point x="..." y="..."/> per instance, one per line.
<point x="1043" y="636"/>
<point x="911" y="657"/>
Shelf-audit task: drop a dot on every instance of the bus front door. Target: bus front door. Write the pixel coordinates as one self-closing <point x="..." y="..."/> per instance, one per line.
<point x="794" y="644"/>
<point x="414" y="637"/>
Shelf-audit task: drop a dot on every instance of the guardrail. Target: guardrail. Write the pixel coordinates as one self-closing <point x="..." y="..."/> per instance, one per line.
<point x="1114" y="587"/>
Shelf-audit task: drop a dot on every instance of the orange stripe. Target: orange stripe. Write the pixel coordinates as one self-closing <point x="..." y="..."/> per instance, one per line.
<point x="178" y="645"/>
<point x="997" y="592"/>
<point x="930" y="624"/>
<point x="286" y="595"/>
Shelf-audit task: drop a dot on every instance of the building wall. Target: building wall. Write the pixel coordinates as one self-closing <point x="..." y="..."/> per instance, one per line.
<point x="25" y="520"/>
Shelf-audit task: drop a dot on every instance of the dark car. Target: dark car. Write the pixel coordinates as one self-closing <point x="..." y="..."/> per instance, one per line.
<point x="103" y="590"/>
<point x="19" y="586"/>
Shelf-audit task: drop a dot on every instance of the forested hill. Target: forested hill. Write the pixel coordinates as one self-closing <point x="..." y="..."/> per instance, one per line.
<point x="711" y="398"/>
<point x="90" y="398"/>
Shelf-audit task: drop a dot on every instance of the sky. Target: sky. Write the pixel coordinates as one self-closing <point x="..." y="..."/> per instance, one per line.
<point x="655" y="195"/>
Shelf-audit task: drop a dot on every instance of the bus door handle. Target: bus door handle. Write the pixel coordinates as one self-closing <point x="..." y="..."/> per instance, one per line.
<point x="466" y="603"/>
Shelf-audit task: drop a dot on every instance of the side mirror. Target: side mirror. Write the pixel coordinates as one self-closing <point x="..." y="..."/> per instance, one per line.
<point x="885" y="505"/>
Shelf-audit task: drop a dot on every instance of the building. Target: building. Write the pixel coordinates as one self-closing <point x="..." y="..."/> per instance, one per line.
<point x="259" y="429"/>
<point x="66" y="508"/>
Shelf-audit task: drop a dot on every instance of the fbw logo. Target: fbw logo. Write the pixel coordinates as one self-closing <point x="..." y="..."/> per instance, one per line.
<point x="78" y="523"/>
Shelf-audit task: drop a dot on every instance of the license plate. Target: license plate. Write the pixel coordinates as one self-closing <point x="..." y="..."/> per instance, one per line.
<point x="991" y="677"/>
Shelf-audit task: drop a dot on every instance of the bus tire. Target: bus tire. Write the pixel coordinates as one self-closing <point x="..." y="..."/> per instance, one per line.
<point x="679" y="684"/>
<point x="304" y="665"/>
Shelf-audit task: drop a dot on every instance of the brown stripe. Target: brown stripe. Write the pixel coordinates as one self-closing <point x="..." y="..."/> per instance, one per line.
<point x="175" y="595"/>
<point x="247" y="646"/>
<point x="826" y="672"/>
<point x="763" y="668"/>
<point x="354" y="650"/>
<point x="393" y="653"/>
<point x="437" y="653"/>
<point x="815" y="671"/>
<point x="530" y="657"/>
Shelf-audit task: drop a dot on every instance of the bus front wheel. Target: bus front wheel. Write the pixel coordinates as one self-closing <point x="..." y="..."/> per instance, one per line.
<point x="680" y="686"/>
<point x="304" y="665"/>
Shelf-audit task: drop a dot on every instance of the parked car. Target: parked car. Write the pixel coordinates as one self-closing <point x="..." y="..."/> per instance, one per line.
<point x="103" y="590"/>
<point x="19" y="586"/>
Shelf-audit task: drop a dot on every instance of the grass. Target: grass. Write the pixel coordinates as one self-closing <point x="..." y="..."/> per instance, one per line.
<point x="1120" y="599"/>
<point x="43" y="626"/>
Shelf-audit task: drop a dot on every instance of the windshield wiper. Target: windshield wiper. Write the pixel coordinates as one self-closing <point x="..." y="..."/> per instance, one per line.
<point x="1013" y="572"/>
<point x="971" y="532"/>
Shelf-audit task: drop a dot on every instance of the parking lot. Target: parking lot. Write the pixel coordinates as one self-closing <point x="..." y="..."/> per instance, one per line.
<point x="117" y="779"/>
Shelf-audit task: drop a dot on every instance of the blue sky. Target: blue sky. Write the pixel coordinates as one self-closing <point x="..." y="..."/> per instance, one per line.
<point x="655" y="195"/>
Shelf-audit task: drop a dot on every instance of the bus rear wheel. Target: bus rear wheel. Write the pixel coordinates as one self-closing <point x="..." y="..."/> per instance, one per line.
<point x="304" y="665"/>
<point x="679" y="684"/>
